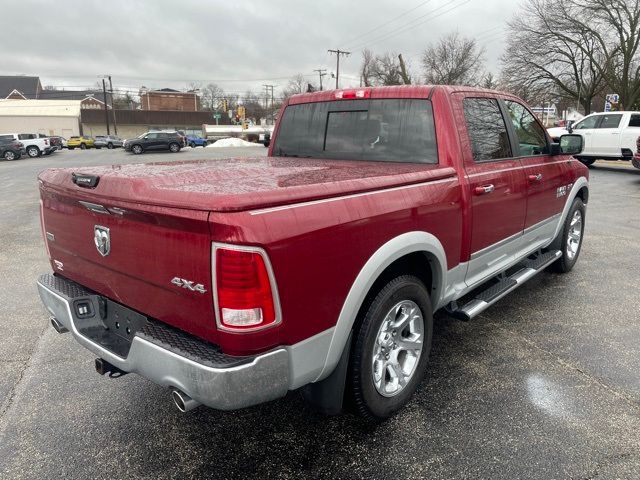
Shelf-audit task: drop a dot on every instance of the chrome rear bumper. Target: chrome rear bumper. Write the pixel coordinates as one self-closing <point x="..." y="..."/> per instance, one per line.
<point x="260" y="379"/>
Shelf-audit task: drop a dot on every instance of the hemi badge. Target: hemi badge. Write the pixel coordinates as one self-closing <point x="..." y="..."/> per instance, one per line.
<point x="51" y="237"/>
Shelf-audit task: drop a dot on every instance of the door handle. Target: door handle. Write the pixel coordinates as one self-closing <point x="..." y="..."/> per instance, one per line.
<point x="484" y="189"/>
<point x="535" y="178"/>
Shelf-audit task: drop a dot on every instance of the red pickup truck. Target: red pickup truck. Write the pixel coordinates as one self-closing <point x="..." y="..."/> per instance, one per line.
<point x="319" y="267"/>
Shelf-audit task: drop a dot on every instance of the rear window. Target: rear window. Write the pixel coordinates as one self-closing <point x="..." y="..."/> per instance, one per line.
<point x="6" y="138"/>
<point x="388" y="130"/>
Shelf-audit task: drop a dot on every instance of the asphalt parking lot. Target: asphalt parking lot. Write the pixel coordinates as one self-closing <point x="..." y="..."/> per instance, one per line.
<point x="544" y="385"/>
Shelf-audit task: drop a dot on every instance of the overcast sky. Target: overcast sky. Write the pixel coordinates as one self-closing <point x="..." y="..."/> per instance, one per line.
<point x="237" y="44"/>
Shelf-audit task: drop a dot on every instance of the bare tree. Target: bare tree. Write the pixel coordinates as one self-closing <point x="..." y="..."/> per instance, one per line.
<point x="298" y="84"/>
<point x="384" y="69"/>
<point x="367" y="68"/>
<point x="540" y="58"/>
<point x="453" y="60"/>
<point x="211" y="96"/>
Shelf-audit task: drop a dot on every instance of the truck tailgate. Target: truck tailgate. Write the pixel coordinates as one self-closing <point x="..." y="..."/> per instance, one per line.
<point x="148" y="247"/>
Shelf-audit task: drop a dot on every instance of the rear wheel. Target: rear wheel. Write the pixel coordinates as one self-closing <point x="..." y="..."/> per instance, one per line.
<point x="33" y="151"/>
<point x="391" y="349"/>
<point x="83" y="146"/>
<point x="587" y="161"/>
<point x="192" y="145"/>
<point x="569" y="241"/>
<point x="9" y="155"/>
<point x="110" y="146"/>
<point x="174" y="147"/>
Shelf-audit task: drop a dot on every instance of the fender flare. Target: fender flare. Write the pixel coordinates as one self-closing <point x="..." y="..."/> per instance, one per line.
<point x="388" y="253"/>
<point x="577" y="186"/>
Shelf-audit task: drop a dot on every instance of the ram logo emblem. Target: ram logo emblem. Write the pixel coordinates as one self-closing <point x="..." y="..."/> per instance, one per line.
<point x="188" y="284"/>
<point x="102" y="239"/>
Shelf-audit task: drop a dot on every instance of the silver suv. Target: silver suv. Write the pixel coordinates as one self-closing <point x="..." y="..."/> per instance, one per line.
<point x="108" y="141"/>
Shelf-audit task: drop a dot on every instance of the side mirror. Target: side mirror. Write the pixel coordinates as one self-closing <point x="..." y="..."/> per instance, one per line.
<point x="570" y="127"/>
<point x="571" y="144"/>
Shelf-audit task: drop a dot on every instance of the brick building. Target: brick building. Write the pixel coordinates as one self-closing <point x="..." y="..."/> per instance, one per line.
<point x="169" y="99"/>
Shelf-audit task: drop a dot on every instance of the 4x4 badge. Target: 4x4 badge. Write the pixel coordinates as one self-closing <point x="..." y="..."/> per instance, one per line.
<point x="102" y="239"/>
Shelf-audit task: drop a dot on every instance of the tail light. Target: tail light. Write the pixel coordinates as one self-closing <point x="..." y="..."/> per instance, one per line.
<point x="46" y="141"/>
<point x="245" y="296"/>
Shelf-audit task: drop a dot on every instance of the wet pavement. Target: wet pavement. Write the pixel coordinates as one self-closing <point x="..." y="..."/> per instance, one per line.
<point x="544" y="385"/>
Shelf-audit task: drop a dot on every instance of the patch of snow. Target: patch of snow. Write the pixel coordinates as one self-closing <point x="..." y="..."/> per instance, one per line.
<point x="233" y="142"/>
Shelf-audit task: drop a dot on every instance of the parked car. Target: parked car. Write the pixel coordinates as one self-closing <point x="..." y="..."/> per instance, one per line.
<point x="635" y="161"/>
<point x="153" y="141"/>
<point x="196" y="141"/>
<point x="56" y="142"/>
<point x="82" y="142"/>
<point x="320" y="266"/>
<point x="607" y="135"/>
<point x="10" y="148"/>
<point x="108" y="141"/>
<point x="33" y="144"/>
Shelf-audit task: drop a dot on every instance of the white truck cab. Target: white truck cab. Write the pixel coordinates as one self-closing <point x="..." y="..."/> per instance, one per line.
<point x="607" y="135"/>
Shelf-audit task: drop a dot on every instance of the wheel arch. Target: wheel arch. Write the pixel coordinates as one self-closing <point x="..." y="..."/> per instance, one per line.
<point x="580" y="189"/>
<point x="400" y="255"/>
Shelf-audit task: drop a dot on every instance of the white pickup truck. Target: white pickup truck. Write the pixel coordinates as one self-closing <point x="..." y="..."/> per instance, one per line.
<point x="607" y="135"/>
<point x="34" y="145"/>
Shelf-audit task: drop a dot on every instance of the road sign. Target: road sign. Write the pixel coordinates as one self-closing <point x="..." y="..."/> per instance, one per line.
<point x="217" y="116"/>
<point x="613" y="98"/>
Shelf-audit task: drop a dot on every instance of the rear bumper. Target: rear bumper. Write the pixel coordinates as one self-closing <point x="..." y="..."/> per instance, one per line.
<point x="212" y="379"/>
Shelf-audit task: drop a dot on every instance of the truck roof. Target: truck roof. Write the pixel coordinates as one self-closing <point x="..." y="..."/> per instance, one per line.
<point x="395" y="91"/>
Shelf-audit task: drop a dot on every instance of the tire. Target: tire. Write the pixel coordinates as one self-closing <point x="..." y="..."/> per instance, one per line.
<point x="110" y="146"/>
<point x="587" y="161"/>
<point x="376" y="393"/>
<point x="98" y="148"/>
<point x="204" y="144"/>
<point x="137" y="149"/>
<point x="569" y="241"/>
<point x="33" y="151"/>
<point x="70" y="148"/>
<point x="174" y="147"/>
<point x="192" y="145"/>
<point x="9" y="155"/>
<point x="83" y="146"/>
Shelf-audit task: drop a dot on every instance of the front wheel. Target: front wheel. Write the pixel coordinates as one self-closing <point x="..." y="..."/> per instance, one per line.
<point x="192" y="145"/>
<point x="137" y="149"/>
<point x="110" y="146"/>
<point x="391" y="349"/>
<point x="174" y="148"/>
<point x="569" y="241"/>
<point x="83" y="146"/>
<point x="9" y="155"/>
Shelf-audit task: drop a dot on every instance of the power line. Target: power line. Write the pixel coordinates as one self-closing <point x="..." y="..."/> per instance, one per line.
<point x="384" y="24"/>
<point x="408" y="26"/>
<point x="338" y="52"/>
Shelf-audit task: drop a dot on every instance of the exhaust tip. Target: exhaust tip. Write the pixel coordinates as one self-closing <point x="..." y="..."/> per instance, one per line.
<point x="57" y="326"/>
<point x="183" y="402"/>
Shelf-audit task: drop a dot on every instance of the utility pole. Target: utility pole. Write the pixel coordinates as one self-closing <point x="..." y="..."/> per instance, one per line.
<point x="338" y="52"/>
<point x="106" y="109"/>
<point x="321" y="74"/>
<point x="115" y="127"/>
<point x="268" y="88"/>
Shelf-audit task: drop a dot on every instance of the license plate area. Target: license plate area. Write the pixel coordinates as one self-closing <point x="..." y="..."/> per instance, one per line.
<point x="107" y="323"/>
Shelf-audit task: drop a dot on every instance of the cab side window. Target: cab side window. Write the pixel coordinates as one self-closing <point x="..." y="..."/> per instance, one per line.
<point x="487" y="129"/>
<point x="610" y="121"/>
<point x="587" y="122"/>
<point x="634" y="121"/>
<point x="531" y="137"/>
